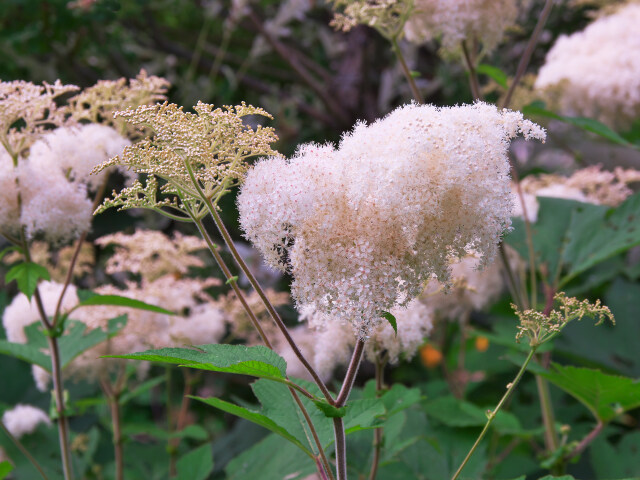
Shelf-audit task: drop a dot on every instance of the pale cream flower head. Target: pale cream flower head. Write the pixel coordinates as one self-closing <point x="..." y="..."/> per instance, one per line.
<point x="457" y="21"/>
<point x="363" y="226"/>
<point x="595" y="73"/>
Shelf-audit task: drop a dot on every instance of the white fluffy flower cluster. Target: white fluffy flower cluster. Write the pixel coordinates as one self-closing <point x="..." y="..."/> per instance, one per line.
<point x="329" y="344"/>
<point x="24" y="419"/>
<point x="453" y="21"/>
<point x="587" y="185"/>
<point x="363" y="226"/>
<point x="596" y="72"/>
<point x="47" y="191"/>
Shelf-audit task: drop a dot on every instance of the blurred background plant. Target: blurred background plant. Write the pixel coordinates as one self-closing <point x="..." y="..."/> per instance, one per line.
<point x="317" y="81"/>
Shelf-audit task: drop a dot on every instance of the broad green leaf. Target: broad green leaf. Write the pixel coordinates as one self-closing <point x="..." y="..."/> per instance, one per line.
<point x="254" y="417"/>
<point x="256" y="361"/>
<point x="572" y="237"/>
<point x="271" y="458"/>
<point x="454" y="412"/>
<point x="74" y="341"/>
<point x="77" y="340"/>
<point x="5" y="469"/>
<point x="596" y="234"/>
<point x="140" y="389"/>
<point x="28" y="353"/>
<point x="619" y="461"/>
<point x="494" y="73"/>
<point x="27" y="275"/>
<point x="392" y="321"/>
<point x="400" y="397"/>
<point x="195" y="465"/>
<point x="88" y="298"/>
<point x="606" y="396"/>
<point x="612" y="348"/>
<point x="549" y="233"/>
<point x="587" y="124"/>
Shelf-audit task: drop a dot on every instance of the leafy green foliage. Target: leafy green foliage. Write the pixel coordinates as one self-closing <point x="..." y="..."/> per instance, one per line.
<point x="494" y="73"/>
<point x="195" y="465"/>
<point x="392" y="321"/>
<point x="616" y="460"/>
<point x="5" y="469"/>
<point x="27" y="275"/>
<point x="606" y="396"/>
<point x="586" y="124"/>
<point x="329" y="410"/>
<point x="574" y="236"/>
<point x="75" y="340"/>
<point x="256" y="361"/>
<point x="88" y="298"/>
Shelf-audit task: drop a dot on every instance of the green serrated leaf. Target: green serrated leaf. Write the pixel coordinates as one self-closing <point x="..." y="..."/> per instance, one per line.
<point x="254" y="417"/>
<point x="195" y="465"/>
<point x="272" y="457"/>
<point x="597" y="234"/>
<point x="88" y="298"/>
<point x="606" y="396"/>
<point x="328" y="410"/>
<point x="27" y="275"/>
<point x="77" y="339"/>
<point x="258" y="361"/>
<point x="391" y="319"/>
<point x="28" y="353"/>
<point x="494" y="73"/>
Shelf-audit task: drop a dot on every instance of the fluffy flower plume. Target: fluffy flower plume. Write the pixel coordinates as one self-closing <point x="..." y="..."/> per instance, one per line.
<point x="75" y="151"/>
<point x="596" y="72"/>
<point x="386" y="16"/>
<point x="454" y="21"/>
<point x="471" y="289"/>
<point x="588" y="185"/>
<point x="328" y="344"/>
<point x="363" y="226"/>
<point x="152" y="254"/>
<point x="24" y="419"/>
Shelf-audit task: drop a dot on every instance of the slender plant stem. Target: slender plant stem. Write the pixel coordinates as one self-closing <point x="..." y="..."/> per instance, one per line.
<point x="230" y="278"/>
<point x="407" y="73"/>
<point x="256" y="286"/>
<point x="473" y="74"/>
<point x="63" y="426"/>
<point x="584" y="443"/>
<point x="514" y="289"/>
<point x="338" y="424"/>
<point x="350" y="377"/>
<point x="24" y="451"/>
<point x="113" y="399"/>
<point x="528" y="51"/>
<point x="67" y="280"/>
<point x="227" y="273"/>
<point x="548" y="418"/>
<point x="378" y="432"/>
<point x="492" y="414"/>
<point x="56" y="374"/>
<point x="341" y="449"/>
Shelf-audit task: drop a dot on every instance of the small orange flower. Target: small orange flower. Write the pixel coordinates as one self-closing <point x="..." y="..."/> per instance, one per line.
<point x="482" y="344"/>
<point x="431" y="356"/>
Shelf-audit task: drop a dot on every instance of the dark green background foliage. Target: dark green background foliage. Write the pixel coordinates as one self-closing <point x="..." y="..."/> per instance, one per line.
<point x="317" y="83"/>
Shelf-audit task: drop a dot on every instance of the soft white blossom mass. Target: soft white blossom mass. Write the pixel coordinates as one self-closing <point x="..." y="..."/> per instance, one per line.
<point x="362" y="226"/>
